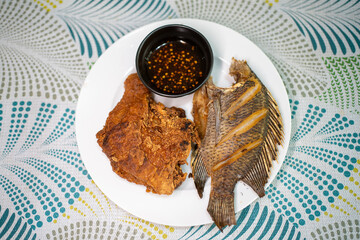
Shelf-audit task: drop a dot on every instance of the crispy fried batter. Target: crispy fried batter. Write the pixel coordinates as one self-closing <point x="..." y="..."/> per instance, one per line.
<point x="145" y="141"/>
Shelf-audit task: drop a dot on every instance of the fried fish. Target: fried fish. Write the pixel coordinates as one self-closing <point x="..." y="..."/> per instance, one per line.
<point x="243" y="128"/>
<point x="147" y="142"/>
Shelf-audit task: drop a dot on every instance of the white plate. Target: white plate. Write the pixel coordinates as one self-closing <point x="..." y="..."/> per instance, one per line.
<point x="103" y="88"/>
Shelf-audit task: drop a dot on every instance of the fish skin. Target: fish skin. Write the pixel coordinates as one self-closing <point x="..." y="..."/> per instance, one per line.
<point x="253" y="166"/>
<point x="200" y="110"/>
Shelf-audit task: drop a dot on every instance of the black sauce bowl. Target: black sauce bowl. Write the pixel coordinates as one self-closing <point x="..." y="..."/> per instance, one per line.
<point x="167" y="33"/>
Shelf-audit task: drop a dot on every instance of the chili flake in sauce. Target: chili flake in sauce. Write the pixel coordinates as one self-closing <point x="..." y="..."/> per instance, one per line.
<point x="175" y="67"/>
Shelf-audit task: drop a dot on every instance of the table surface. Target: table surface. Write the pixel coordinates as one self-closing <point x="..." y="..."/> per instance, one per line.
<point x="47" y="49"/>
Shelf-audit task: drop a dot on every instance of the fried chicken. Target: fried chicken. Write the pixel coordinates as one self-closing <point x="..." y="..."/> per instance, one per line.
<point x="145" y="141"/>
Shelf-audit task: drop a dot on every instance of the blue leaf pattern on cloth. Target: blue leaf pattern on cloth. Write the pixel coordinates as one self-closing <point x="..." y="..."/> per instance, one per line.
<point x="13" y="227"/>
<point x="95" y="25"/>
<point x="337" y="30"/>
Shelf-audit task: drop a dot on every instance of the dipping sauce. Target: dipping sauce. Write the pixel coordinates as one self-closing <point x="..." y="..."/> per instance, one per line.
<point x="175" y="67"/>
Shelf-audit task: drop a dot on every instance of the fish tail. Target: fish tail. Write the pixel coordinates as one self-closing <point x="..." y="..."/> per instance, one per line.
<point x="199" y="171"/>
<point x="221" y="208"/>
<point x="256" y="180"/>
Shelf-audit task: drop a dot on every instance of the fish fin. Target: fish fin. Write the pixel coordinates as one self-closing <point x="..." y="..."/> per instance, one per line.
<point x="200" y="174"/>
<point x="221" y="208"/>
<point x="256" y="182"/>
<point x="257" y="177"/>
<point x="239" y="70"/>
<point x="209" y="82"/>
<point x="200" y="110"/>
<point x="276" y="127"/>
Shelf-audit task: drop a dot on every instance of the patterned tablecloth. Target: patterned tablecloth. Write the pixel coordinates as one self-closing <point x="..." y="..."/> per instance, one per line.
<point x="47" y="47"/>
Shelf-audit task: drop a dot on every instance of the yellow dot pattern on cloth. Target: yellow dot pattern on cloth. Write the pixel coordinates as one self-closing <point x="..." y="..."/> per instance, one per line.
<point x="97" y="200"/>
<point x="352" y="179"/>
<point x="171" y="229"/>
<point x="75" y="209"/>
<point x="149" y="228"/>
<point x="87" y="205"/>
<point x="327" y="214"/>
<point x="48" y="5"/>
<point x="107" y="200"/>
<point x="356" y="170"/>
<point x="349" y="204"/>
<point x="271" y="2"/>
<point x="140" y="227"/>
<point x="352" y="192"/>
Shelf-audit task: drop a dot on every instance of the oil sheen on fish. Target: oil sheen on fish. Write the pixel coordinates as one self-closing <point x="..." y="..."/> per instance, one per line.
<point x="242" y="127"/>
